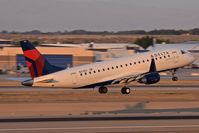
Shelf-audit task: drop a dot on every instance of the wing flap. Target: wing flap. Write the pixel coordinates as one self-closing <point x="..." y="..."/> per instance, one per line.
<point x="128" y="79"/>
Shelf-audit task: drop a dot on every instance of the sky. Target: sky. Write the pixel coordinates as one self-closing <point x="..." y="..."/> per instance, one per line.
<point x="98" y="15"/>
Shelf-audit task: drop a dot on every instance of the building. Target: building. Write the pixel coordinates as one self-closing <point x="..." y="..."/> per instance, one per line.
<point x="6" y="43"/>
<point x="108" y="51"/>
<point x="66" y="55"/>
<point x="104" y="51"/>
<point x="11" y="57"/>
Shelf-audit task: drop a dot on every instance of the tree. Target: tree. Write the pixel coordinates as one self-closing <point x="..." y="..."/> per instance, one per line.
<point x="144" y="41"/>
<point x="4" y="31"/>
<point x="35" y="43"/>
<point x="147" y="41"/>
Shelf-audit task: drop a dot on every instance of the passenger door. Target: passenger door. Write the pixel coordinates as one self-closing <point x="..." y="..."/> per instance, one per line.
<point x="74" y="78"/>
<point x="175" y="56"/>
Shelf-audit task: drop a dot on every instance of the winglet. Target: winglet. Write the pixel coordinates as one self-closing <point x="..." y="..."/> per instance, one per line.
<point x="153" y="66"/>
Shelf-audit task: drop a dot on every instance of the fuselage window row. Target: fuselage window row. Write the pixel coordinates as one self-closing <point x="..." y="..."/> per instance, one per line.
<point x="139" y="62"/>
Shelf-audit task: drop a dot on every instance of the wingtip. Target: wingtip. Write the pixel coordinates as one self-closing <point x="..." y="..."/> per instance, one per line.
<point x="152" y="66"/>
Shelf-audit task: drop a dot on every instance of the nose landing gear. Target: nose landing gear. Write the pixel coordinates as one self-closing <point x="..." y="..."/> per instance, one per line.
<point x="174" y="78"/>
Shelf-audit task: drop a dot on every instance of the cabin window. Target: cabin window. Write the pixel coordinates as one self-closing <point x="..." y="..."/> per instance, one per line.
<point x="165" y="57"/>
<point x="107" y="68"/>
<point x="135" y="63"/>
<point x="147" y="60"/>
<point x="103" y="69"/>
<point x="94" y="71"/>
<point x="81" y="74"/>
<point x="85" y="73"/>
<point x="139" y="62"/>
<point x="160" y="57"/>
<point x="168" y="55"/>
<point x="116" y="66"/>
<point x="126" y="64"/>
<point x="143" y="61"/>
<point x="112" y="67"/>
<point x="130" y="63"/>
<point x="121" y="66"/>
<point x="98" y="70"/>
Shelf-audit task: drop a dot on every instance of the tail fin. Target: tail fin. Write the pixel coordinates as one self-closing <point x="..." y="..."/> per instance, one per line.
<point x="37" y="64"/>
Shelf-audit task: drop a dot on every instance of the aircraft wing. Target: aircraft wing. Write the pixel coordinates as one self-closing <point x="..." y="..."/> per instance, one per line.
<point x="51" y="80"/>
<point x="129" y="79"/>
<point x="20" y="79"/>
<point x="136" y="76"/>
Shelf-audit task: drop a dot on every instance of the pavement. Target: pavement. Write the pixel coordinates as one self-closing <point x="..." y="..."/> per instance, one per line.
<point x="165" y="107"/>
<point x="26" y="102"/>
<point x="104" y="126"/>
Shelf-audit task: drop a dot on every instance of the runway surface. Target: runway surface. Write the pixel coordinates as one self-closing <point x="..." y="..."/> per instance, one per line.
<point x="16" y="102"/>
<point x="161" y="99"/>
<point x="103" y="126"/>
<point x="111" y="88"/>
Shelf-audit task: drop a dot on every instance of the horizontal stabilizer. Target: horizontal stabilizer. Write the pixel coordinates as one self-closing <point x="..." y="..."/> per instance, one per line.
<point x="46" y="81"/>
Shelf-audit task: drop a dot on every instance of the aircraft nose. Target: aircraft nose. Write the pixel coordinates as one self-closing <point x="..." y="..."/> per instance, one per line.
<point x="27" y="82"/>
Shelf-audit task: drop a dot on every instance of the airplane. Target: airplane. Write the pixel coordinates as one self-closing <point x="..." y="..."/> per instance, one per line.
<point x="143" y="68"/>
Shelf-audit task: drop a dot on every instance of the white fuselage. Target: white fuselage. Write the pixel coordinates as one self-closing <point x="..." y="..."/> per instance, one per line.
<point x="99" y="72"/>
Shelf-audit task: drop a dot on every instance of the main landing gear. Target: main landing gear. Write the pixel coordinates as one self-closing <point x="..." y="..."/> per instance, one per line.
<point x="124" y="90"/>
<point x="174" y="78"/>
<point x="103" y="90"/>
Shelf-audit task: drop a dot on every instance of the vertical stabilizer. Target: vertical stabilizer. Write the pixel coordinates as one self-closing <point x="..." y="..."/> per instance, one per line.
<point x="37" y="64"/>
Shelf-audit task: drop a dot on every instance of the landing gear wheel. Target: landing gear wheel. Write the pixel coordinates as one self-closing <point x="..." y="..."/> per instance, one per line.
<point x="125" y="90"/>
<point x="103" y="90"/>
<point x="175" y="78"/>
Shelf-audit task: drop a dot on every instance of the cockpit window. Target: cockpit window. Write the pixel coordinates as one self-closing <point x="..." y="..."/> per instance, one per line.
<point x="183" y="52"/>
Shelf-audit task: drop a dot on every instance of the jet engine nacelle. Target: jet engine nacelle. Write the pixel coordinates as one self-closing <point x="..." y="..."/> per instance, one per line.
<point x="150" y="78"/>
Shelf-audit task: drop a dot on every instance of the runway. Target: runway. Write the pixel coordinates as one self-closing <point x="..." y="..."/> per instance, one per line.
<point x="111" y="88"/>
<point x="16" y="102"/>
<point x="169" y="108"/>
<point x="103" y="126"/>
